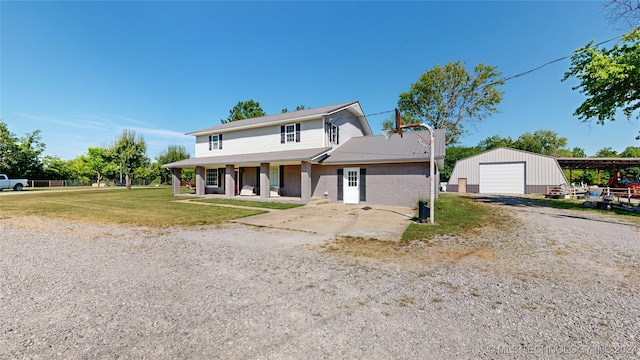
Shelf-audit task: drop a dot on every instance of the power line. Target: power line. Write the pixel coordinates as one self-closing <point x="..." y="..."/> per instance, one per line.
<point x="552" y="61"/>
<point x="503" y="80"/>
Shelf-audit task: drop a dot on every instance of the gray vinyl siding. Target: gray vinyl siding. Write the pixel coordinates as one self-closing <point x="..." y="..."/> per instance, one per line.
<point x="386" y="184"/>
<point x="348" y="124"/>
<point x="540" y="171"/>
<point x="263" y="139"/>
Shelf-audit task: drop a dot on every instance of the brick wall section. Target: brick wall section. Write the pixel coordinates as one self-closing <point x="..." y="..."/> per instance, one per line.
<point x="229" y="181"/>
<point x="291" y="181"/>
<point x="200" y="180"/>
<point x="264" y="181"/>
<point x="387" y="184"/>
<point x="175" y="181"/>
<point x="305" y="181"/>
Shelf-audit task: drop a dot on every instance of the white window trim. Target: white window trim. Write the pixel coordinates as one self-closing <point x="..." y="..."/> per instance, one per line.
<point x="333" y="134"/>
<point x="215" y="144"/>
<point x="292" y="133"/>
<point x="216" y="183"/>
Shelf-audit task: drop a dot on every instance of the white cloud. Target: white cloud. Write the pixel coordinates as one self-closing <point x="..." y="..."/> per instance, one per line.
<point x="169" y="134"/>
<point x="78" y="124"/>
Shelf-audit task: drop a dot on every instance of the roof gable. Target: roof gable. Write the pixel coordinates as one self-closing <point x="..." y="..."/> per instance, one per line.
<point x="288" y="117"/>
<point x="503" y="149"/>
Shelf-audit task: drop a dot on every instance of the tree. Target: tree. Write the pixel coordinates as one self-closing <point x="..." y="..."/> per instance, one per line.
<point x="607" y="153"/>
<point x="625" y="11"/>
<point x="448" y="97"/>
<point x="610" y="78"/>
<point x="631" y="152"/>
<point x="79" y="170"/>
<point x="144" y="172"/>
<point x="97" y="161"/>
<point x="55" y="168"/>
<point x="30" y="149"/>
<point x="244" y="110"/>
<point x="172" y="154"/>
<point x="544" y="142"/>
<point x="493" y="142"/>
<point x="8" y="149"/>
<point x="21" y="157"/>
<point x="129" y="153"/>
<point x="298" y="108"/>
<point x="578" y="152"/>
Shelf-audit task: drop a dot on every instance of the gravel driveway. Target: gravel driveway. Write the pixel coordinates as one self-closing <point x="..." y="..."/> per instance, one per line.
<point x="558" y="284"/>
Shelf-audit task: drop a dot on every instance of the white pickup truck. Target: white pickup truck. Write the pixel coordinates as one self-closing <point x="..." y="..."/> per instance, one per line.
<point x="15" y="184"/>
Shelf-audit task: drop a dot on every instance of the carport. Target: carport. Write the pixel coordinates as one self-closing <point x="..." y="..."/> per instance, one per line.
<point x="597" y="164"/>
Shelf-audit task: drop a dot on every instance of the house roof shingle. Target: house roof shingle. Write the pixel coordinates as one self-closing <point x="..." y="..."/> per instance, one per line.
<point x="299" y="115"/>
<point x="366" y="149"/>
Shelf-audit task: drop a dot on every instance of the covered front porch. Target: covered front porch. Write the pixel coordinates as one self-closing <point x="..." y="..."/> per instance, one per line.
<point x="272" y="175"/>
<point x="266" y="181"/>
<point x="255" y="198"/>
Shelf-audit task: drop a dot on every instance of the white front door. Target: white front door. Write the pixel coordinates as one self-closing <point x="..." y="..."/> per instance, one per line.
<point x="351" y="185"/>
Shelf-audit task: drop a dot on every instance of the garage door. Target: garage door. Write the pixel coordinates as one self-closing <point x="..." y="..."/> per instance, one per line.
<point x="504" y="178"/>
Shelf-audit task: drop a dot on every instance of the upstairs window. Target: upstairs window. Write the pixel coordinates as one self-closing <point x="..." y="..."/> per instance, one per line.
<point x="334" y="134"/>
<point x="215" y="142"/>
<point x="290" y="133"/>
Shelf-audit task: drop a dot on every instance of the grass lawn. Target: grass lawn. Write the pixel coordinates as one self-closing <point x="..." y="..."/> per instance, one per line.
<point x="456" y="215"/>
<point x="144" y="206"/>
<point x="254" y="204"/>
<point x="575" y="204"/>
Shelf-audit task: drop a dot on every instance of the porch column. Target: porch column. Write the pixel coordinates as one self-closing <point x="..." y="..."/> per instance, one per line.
<point x="305" y="181"/>
<point x="175" y="181"/>
<point x="199" y="180"/>
<point x="229" y="181"/>
<point x="265" y="189"/>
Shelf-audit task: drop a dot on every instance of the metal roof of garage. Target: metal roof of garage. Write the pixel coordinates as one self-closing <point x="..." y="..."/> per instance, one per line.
<point x="598" y="163"/>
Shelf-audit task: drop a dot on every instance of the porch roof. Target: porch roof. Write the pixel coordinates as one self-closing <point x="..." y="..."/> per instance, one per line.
<point x="240" y="159"/>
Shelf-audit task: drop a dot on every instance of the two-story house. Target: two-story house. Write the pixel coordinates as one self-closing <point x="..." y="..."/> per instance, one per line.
<point x="327" y="152"/>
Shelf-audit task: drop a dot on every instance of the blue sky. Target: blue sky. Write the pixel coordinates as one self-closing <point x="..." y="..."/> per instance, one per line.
<point x="81" y="72"/>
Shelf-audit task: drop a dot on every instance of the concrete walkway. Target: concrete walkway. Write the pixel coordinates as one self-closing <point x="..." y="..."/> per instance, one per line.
<point x="376" y="222"/>
<point x="332" y="219"/>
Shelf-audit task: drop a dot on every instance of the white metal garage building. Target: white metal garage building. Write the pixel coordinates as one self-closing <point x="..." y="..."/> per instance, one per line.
<point x="506" y="171"/>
